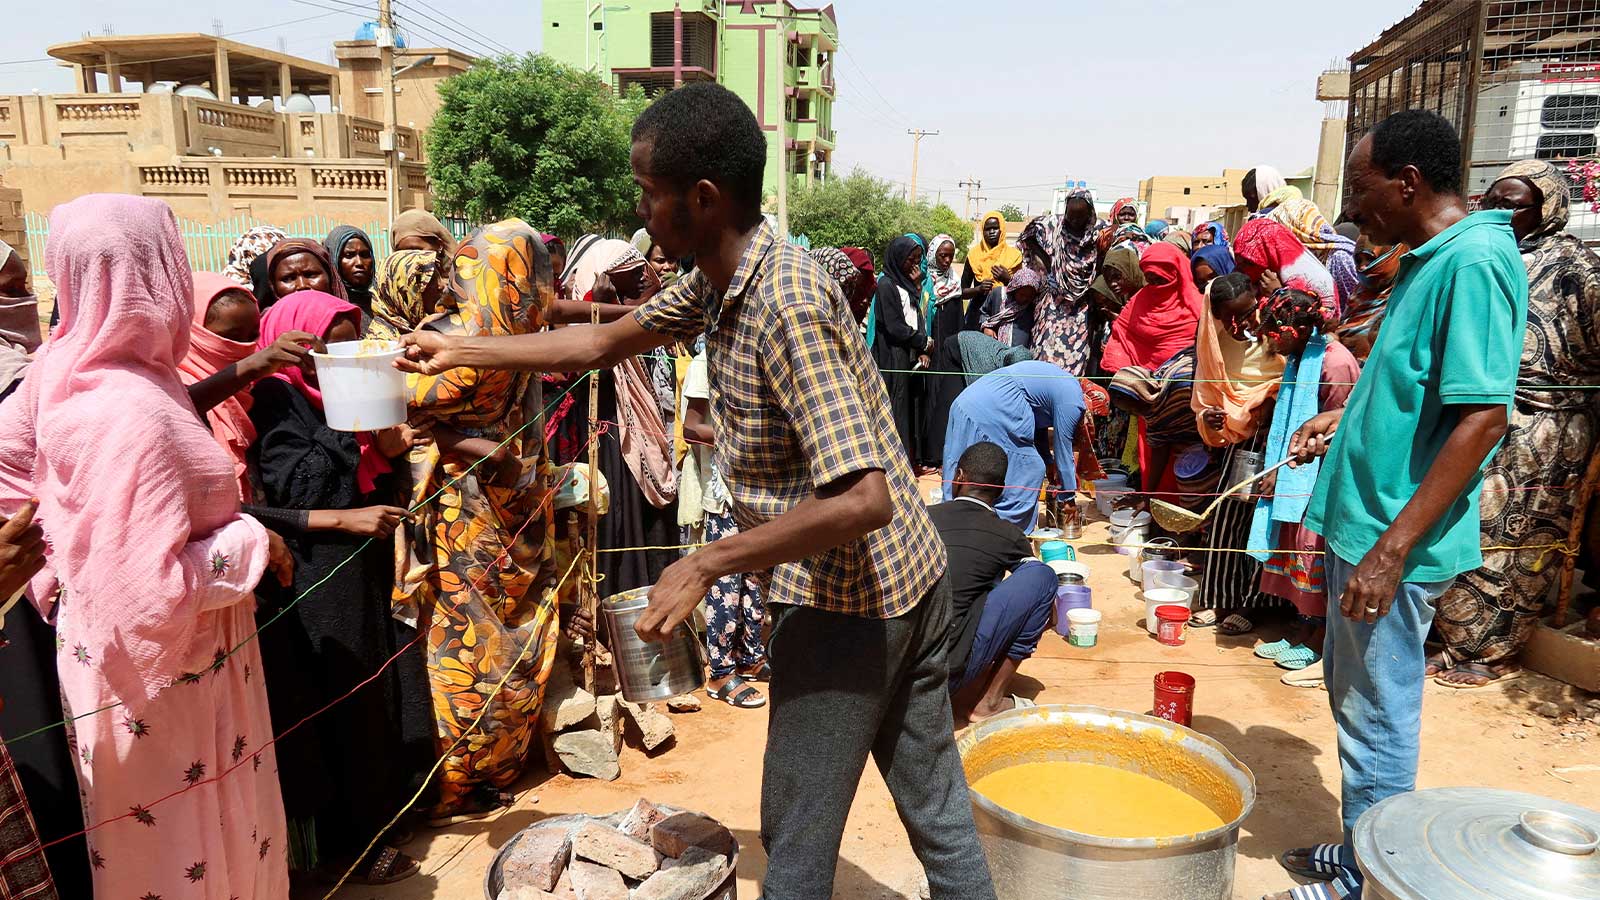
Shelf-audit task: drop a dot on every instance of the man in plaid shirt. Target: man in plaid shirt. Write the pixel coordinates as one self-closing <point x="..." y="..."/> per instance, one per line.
<point x="822" y="492"/>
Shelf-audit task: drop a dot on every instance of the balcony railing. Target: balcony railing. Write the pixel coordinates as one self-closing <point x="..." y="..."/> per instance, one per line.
<point x="187" y="126"/>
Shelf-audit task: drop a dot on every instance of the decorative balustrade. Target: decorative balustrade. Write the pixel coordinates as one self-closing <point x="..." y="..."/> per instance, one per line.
<point x="259" y="176"/>
<point x="229" y="116"/>
<point x="308" y="127"/>
<point x="174" y="176"/>
<point x="349" y="179"/>
<point x="365" y="133"/>
<point x="77" y="111"/>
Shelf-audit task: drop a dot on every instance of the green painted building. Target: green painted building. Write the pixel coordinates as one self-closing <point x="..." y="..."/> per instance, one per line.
<point x="778" y="57"/>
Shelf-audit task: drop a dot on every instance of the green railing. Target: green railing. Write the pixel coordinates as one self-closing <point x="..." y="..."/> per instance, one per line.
<point x="208" y="245"/>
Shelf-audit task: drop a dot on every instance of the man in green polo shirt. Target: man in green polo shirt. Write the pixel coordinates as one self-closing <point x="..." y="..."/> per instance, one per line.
<point x="1402" y="463"/>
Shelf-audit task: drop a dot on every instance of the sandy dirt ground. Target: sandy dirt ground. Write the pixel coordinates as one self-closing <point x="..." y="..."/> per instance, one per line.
<point x="1492" y="738"/>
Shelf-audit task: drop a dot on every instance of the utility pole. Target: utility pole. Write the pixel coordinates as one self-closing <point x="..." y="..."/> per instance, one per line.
<point x="387" y="141"/>
<point x="972" y="184"/>
<point x="916" y="148"/>
<point x="783" y="187"/>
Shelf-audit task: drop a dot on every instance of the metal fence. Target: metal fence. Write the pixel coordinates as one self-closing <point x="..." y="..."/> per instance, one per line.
<point x="208" y="244"/>
<point x="1520" y="79"/>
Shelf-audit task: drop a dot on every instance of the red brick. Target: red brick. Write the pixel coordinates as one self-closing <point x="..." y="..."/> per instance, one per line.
<point x="675" y="834"/>
<point x="537" y="860"/>
<point x="613" y="849"/>
<point x="639" y="820"/>
<point x="592" y="882"/>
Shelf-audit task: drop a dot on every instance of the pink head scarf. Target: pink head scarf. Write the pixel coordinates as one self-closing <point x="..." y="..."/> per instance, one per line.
<point x="103" y="434"/>
<point x="314" y="312"/>
<point x="210" y="353"/>
<point x="1161" y="318"/>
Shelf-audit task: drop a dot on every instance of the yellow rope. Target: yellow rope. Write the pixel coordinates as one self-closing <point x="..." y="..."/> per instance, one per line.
<point x="428" y="781"/>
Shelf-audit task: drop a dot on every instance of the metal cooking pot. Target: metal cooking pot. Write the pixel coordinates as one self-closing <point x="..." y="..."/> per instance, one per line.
<point x="650" y="672"/>
<point x="1478" y="844"/>
<point x="1029" y="860"/>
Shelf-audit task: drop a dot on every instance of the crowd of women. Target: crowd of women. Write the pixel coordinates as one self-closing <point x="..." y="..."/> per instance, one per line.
<point x="260" y="638"/>
<point x="1212" y="349"/>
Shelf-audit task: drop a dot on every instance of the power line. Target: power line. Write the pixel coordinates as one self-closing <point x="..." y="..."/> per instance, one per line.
<point x="474" y="47"/>
<point x="449" y="18"/>
<point x="868" y="81"/>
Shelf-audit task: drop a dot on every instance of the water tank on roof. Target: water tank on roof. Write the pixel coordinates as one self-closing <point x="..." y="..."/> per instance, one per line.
<point x="299" y="103"/>
<point x="195" y="90"/>
<point x="369" y="32"/>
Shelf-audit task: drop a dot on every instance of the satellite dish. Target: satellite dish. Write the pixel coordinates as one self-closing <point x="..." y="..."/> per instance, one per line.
<point x="299" y="103"/>
<point x="195" y="90"/>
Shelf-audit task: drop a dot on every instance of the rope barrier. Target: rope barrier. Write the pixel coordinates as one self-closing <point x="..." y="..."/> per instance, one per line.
<point x="331" y="572"/>
<point x="427" y="781"/>
<point x="421" y="634"/>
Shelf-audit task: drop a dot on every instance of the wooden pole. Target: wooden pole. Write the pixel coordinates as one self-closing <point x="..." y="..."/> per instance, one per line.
<point x="1580" y="513"/>
<point x="591" y="592"/>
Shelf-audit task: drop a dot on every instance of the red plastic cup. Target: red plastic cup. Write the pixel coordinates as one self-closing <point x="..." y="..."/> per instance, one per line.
<point x="1174" y="697"/>
<point x="1171" y="621"/>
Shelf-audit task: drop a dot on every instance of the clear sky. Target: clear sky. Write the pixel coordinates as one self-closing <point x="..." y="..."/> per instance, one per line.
<point x="1024" y="93"/>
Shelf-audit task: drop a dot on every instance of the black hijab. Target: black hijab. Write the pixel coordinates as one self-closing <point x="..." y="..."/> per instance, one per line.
<point x="335" y="241"/>
<point x="894" y="269"/>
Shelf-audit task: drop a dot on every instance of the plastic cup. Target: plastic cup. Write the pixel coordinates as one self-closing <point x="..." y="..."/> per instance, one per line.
<point x="1057" y="551"/>
<point x="1083" y="627"/>
<point x="361" y="388"/>
<point x="1174" y="697"/>
<point x="1154" y="600"/>
<point x="1154" y="567"/>
<point x="1171" y="624"/>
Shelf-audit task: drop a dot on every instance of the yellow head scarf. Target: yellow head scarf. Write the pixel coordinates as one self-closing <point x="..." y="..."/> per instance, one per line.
<point x="981" y="258"/>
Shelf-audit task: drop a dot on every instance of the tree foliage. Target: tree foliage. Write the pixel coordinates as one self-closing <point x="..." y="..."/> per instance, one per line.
<point x="529" y="137"/>
<point x="859" y="210"/>
<point x="1013" y="213"/>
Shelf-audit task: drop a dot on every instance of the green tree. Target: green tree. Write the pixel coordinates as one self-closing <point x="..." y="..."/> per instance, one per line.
<point x="859" y="210"/>
<point x="529" y="137"/>
<point x="1013" y="212"/>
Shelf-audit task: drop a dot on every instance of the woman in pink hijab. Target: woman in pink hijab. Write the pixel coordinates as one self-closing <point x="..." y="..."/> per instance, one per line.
<point x="151" y="570"/>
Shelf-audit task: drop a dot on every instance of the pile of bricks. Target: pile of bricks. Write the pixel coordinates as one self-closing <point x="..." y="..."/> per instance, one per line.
<point x="650" y="855"/>
<point x="584" y="732"/>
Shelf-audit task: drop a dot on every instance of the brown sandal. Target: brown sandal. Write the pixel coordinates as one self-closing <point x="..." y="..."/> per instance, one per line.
<point x="388" y="866"/>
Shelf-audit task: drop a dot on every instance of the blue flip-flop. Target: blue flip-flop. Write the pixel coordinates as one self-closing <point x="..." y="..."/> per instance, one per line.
<point x="1273" y="650"/>
<point x="1296" y="658"/>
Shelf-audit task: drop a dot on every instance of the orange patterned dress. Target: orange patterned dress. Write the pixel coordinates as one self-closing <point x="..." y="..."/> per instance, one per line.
<point x="480" y="574"/>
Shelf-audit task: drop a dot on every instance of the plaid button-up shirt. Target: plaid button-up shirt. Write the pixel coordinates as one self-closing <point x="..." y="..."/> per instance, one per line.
<point x="797" y="404"/>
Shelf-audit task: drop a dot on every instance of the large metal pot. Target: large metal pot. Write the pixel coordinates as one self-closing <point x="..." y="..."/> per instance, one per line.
<point x="1478" y="844"/>
<point x="1030" y="860"/>
<point x="650" y="672"/>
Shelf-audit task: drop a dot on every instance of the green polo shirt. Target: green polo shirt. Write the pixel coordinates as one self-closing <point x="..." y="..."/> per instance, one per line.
<point x="1452" y="336"/>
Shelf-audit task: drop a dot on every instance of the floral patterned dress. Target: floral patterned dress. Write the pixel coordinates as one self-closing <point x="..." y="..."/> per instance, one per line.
<point x="180" y="792"/>
<point x="483" y="579"/>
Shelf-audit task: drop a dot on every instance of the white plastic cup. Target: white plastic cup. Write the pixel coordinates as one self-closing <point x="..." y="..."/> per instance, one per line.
<point x="361" y="388"/>
<point x="1083" y="627"/>
<point x="1162" y="597"/>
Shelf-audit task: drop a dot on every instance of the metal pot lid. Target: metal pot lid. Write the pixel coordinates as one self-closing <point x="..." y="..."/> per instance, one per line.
<point x="1479" y="844"/>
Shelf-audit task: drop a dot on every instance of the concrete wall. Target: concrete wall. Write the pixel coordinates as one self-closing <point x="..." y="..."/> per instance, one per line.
<point x="61" y="146"/>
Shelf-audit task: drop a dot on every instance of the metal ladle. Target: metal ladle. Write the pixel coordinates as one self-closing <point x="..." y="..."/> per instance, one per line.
<point x="1178" y="520"/>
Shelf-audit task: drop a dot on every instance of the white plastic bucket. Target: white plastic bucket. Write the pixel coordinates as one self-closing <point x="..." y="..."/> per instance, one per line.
<point x="1083" y="627"/>
<point x="1161" y="597"/>
<point x="1151" y="568"/>
<point x="361" y="388"/>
